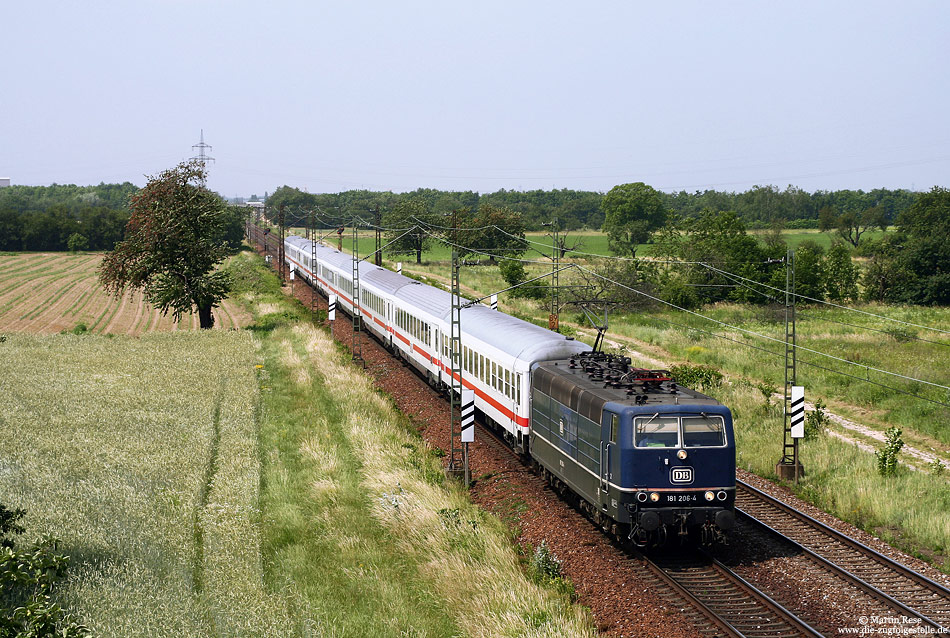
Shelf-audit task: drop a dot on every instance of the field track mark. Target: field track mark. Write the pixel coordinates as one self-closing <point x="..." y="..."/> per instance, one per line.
<point x="10" y="304"/>
<point x="47" y="303"/>
<point x="47" y="314"/>
<point x="222" y="315"/>
<point x="115" y="305"/>
<point x="140" y="311"/>
<point x="28" y="262"/>
<point x="83" y="300"/>
<point x="210" y="470"/>
<point x="117" y="315"/>
<point x="151" y="313"/>
<point x="108" y="305"/>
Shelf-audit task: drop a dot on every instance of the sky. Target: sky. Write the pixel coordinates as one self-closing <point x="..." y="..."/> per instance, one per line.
<point x="480" y="96"/>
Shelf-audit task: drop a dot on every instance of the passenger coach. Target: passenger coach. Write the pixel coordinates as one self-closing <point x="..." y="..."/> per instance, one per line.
<point x="413" y="320"/>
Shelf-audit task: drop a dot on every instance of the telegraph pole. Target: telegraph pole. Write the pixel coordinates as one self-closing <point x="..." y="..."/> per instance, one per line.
<point x="357" y="312"/>
<point x="553" y="318"/>
<point x="313" y="260"/>
<point x="790" y="467"/>
<point x="280" y="245"/>
<point x="455" y="380"/>
<point x="379" y="238"/>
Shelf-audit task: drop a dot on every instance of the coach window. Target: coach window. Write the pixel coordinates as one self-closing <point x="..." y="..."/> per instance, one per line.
<point x="656" y="431"/>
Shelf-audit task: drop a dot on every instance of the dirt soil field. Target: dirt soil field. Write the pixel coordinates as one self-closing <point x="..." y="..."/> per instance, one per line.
<point x="51" y="292"/>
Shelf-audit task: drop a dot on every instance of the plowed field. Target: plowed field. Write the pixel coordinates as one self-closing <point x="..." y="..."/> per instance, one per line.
<point x="51" y="292"/>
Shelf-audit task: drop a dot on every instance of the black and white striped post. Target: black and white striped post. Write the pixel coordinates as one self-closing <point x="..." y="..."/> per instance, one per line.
<point x="494" y="302"/>
<point x="797" y="414"/>
<point x="331" y="307"/>
<point x="468" y="430"/>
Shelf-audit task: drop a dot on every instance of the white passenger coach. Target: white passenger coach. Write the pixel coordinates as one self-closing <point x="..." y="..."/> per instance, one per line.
<point x="498" y="352"/>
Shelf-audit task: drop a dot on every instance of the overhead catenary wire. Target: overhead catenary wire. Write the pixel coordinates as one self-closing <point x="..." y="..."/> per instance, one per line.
<point x="732" y="277"/>
<point x="829" y="303"/>
<point x="762" y="336"/>
<point x="801" y="361"/>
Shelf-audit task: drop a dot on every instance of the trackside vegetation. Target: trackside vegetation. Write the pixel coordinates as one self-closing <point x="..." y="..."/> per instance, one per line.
<point x="359" y="510"/>
<point x="249" y="483"/>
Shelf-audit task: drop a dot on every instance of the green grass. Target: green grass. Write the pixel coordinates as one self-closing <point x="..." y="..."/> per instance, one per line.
<point x="359" y="510"/>
<point x="140" y="454"/>
<point x="250" y="483"/>
<point x="842" y="479"/>
<point x="795" y="237"/>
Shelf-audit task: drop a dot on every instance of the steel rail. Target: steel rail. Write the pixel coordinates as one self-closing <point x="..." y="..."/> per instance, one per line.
<point x="898" y="584"/>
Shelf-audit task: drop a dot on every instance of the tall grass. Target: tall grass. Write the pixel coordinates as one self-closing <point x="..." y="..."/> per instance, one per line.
<point x="140" y="454"/>
<point x="359" y="510"/>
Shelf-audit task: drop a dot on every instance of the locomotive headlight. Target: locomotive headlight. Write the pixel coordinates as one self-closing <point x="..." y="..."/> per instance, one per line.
<point x="710" y="496"/>
<point x="654" y="497"/>
<point x="681" y="455"/>
<point x="722" y="495"/>
<point x="642" y="497"/>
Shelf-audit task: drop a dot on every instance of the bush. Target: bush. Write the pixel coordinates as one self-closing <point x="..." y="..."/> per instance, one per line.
<point x="76" y="243"/>
<point x="768" y="389"/>
<point x="26" y="582"/>
<point x="544" y="563"/>
<point x="887" y="456"/>
<point x="698" y="377"/>
<point x="513" y="273"/>
<point x="816" y="421"/>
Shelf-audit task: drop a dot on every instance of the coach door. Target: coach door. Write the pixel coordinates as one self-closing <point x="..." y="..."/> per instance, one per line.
<point x="608" y="452"/>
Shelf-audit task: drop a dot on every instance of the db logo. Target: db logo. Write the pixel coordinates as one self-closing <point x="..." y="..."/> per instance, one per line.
<point x="681" y="475"/>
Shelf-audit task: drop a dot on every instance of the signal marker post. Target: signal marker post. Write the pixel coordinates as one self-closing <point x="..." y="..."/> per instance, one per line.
<point x="468" y="430"/>
<point x="797" y="420"/>
<point x="331" y="308"/>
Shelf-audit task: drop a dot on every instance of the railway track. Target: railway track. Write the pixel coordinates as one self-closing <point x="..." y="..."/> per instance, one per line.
<point x="900" y="588"/>
<point x="715" y="600"/>
<point x="725" y="603"/>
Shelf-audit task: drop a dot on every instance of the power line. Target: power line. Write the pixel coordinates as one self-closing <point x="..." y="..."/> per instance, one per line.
<point x="762" y="336"/>
<point x="801" y="361"/>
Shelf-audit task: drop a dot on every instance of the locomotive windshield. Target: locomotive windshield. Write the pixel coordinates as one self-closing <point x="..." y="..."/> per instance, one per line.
<point x="667" y="431"/>
<point x="703" y="431"/>
<point x="657" y="431"/>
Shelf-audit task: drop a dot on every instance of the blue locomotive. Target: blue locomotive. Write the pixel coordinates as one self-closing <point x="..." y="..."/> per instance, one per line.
<point x="648" y="459"/>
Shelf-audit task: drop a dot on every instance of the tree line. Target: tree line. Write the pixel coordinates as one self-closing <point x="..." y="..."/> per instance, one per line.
<point x="63" y="217"/>
<point x="758" y="207"/>
<point x="708" y="230"/>
<point x="76" y="218"/>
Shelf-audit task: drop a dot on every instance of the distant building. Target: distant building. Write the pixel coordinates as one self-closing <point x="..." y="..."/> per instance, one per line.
<point x="4" y="181"/>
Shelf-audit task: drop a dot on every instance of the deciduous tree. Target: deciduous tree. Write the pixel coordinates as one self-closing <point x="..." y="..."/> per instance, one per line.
<point x="631" y="213"/>
<point x="173" y="243"/>
<point x="409" y="214"/>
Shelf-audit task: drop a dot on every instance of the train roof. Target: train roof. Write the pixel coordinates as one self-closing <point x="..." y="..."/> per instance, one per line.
<point x="587" y="384"/>
<point x="513" y="336"/>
